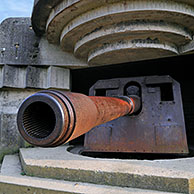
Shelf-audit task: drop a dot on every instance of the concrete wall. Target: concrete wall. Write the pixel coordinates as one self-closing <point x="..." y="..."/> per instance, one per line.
<point x="10" y="100"/>
<point x="20" y="46"/>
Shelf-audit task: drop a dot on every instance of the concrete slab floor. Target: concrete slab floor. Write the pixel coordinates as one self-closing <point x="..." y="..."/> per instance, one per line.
<point x="11" y="182"/>
<point x="175" y="175"/>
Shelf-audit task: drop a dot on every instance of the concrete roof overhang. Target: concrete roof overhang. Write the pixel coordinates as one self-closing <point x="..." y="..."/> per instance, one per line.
<point x="116" y="31"/>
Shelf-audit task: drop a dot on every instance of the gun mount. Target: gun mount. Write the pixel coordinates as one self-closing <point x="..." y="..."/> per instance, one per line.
<point x="141" y="115"/>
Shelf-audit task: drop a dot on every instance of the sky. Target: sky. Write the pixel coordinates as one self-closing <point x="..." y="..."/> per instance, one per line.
<point x="15" y="8"/>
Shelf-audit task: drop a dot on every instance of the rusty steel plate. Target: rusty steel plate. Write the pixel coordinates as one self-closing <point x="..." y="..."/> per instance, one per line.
<point x="159" y="126"/>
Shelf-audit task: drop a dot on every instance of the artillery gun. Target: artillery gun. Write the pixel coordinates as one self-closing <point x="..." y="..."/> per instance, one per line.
<point x="141" y="115"/>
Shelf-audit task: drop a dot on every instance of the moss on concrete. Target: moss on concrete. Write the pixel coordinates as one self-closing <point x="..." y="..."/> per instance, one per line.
<point x="12" y="150"/>
<point x="11" y="188"/>
<point x="8" y="151"/>
<point x="111" y="178"/>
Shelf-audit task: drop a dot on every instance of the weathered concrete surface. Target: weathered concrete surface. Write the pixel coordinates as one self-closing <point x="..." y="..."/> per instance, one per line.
<point x="165" y="175"/>
<point x="20" y="46"/>
<point x="41" y="13"/>
<point x="10" y="100"/>
<point x="52" y="55"/>
<point x="11" y="181"/>
<point x="34" y="77"/>
<point x="11" y="165"/>
<point x="112" y="32"/>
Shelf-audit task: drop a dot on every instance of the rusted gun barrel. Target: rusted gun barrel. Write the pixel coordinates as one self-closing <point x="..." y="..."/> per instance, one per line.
<point x="51" y="118"/>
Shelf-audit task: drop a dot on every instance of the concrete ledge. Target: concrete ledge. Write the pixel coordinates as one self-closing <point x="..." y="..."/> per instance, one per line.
<point x="11" y="181"/>
<point x="34" y="77"/>
<point x="165" y="175"/>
